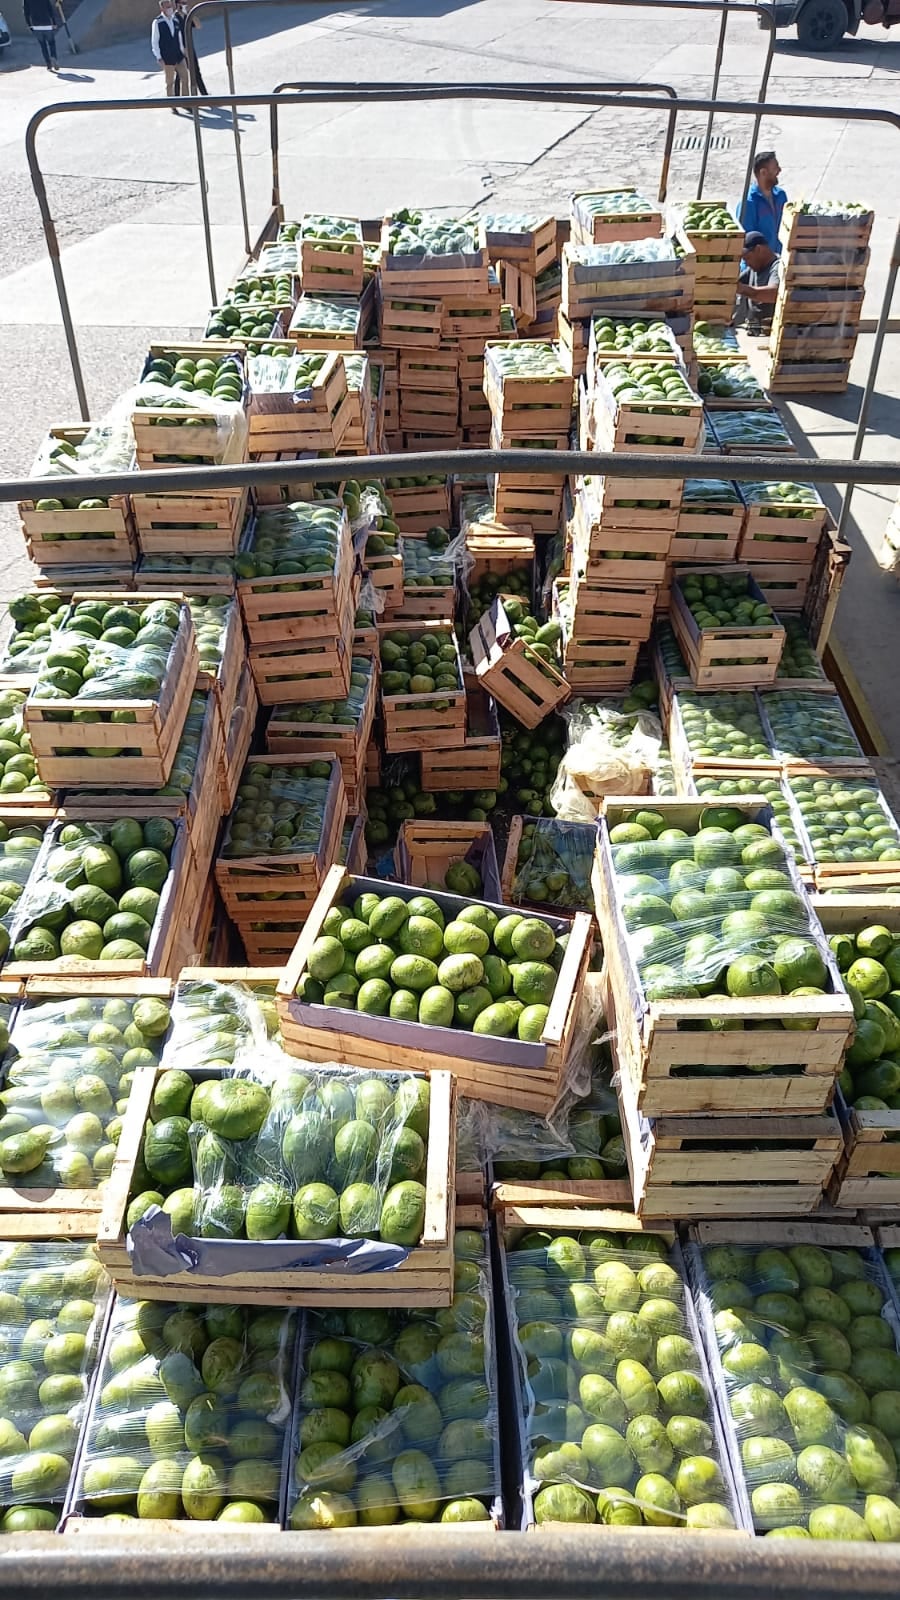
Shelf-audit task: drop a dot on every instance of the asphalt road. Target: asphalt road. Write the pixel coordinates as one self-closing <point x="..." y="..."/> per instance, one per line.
<point x="123" y="187"/>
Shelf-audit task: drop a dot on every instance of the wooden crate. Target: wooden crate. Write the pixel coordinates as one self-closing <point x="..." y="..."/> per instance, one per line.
<point x="582" y="835"/>
<point x="258" y="887"/>
<point x="60" y="748"/>
<point x="331" y="269"/>
<point x="783" y="583"/>
<point x="424" y="1277"/>
<point x="301" y="606"/>
<point x="463" y="316"/>
<point x="525" y="685"/>
<point x="237" y="740"/>
<point x="432" y="371"/>
<point x="501" y="1071"/>
<point x="285" y="736"/>
<point x="811" y="231"/>
<point x="223" y="683"/>
<point x="530" y="499"/>
<point x="321" y="338"/>
<point x="726" y="657"/>
<point x="426" y="850"/>
<point x="601" y="612"/>
<point x="532" y="248"/>
<point x="595" y="666"/>
<point x="386" y="573"/>
<point x="631" y="556"/>
<point x="408" y="324"/>
<point x="518" y="290"/>
<point x="207" y="524"/>
<point x="425" y="721"/>
<point x="465" y="271"/>
<point x="868" y="1171"/>
<point x="417" y="507"/>
<point x="622" y="425"/>
<point x="531" y="405"/>
<point x="574" y="341"/>
<point x="198" y="440"/>
<point x="476" y="765"/>
<point x="590" y="227"/>
<point x="726" y="1166"/>
<point x="103" y="537"/>
<point x="63" y="1213"/>
<point x="707" y="531"/>
<point x="316" y="418"/>
<point x="650" y="286"/>
<point x="777" y="530"/>
<point x="819" y="306"/>
<point x="493" y="549"/>
<point x="657" y="1040"/>
<point x="806" y="269"/>
<point x="601" y="505"/>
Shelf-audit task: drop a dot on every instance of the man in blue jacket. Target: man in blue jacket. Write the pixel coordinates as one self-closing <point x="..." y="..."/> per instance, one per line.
<point x="761" y="211"/>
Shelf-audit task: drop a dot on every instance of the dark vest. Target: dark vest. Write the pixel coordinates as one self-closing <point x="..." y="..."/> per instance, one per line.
<point x="171" y="45"/>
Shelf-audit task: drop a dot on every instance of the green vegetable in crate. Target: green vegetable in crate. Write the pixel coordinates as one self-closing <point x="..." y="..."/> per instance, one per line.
<point x="280" y="810"/>
<point x="420" y="663"/>
<point x="332" y="233"/>
<point x="333" y="713"/>
<point x="846" y="820"/>
<point x="33" y="617"/>
<point x="424" y="481"/>
<point x="869" y="962"/>
<point x="97" y="894"/>
<point x="288" y="372"/>
<point x="724" y="600"/>
<point x="424" y="563"/>
<point x="527" y="358"/>
<point x="413" y="962"/>
<point x="53" y="1295"/>
<point x="553" y="865"/>
<point x="105" y="650"/>
<point x="798" y="658"/>
<point x="632" y="334"/>
<point x="793" y="501"/>
<point x="18" y="771"/>
<point x="276" y="290"/>
<point x="660" y="383"/>
<point x="210" y="615"/>
<point x="70" y="1066"/>
<point x="191" y="1413"/>
<point x="587" y="1146"/>
<point x="727" y="382"/>
<point x="613" y="203"/>
<point x="810" y="727"/>
<point x="711" y="908"/>
<point x="529" y="762"/>
<point x="189" y="378"/>
<point x="716" y="788"/>
<point x="723" y="724"/>
<point x="812" y="1380"/>
<point x="319" y="1154"/>
<point x="620" y="1424"/>
<point x="328" y="314"/>
<point x="714" y="339"/>
<point x="709" y="216"/>
<point x="300" y="540"/>
<point x="834" y="210"/>
<point x="19" y="847"/>
<point x="707" y="496"/>
<point x="421" y="233"/>
<point x="398" y="1412"/>
<point x="541" y="638"/>
<point x="242" y="321"/>
<point x="484" y="591"/>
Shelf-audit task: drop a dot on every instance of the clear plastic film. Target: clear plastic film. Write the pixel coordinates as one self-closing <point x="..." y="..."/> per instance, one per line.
<point x="746" y="429"/>
<point x="33" y="617"/>
<point x="299" y="798"/>
<point x="266" y="1149"/>
<point x="424" y="234"/>
<point x="809" y="727"/>
<point x="714" y="907"/>
<point x="766" y="784"/>
<point x="804" y="1339"/>
<point x="370" y="605"/>
<point x="619" y="1419"/>
<point x="184" y="769"/>
<point x="326" y="314"/>
<point x="67" y="1075"/>
<point x="329" y="231"/>
<point x="333" y="713"/>
<point x="190" y="1416"/>
<point x="622" y="253"/>
<point x="715" y="339"/>
<point x="189" y="566"/>
<point x="633" y="336"/>
<point x="220" y="401"/>
<point x="610" y="751"/>
<point x="889" y="552"/>
<point x="553" y="864"/>
<point x="54" y="1296"/>
<point x="95" y="892"/>
<point x="844" y="820"/>
<point x="729" y="382"/>
<point x="20" y="846"/>
<point x="107" y="446"/>
<point x="726" y="725"/>
<point x="301" y="539"/>
<point x="18" y="772"/>
<point x="612" y="203"/>
<point x="280" y="375"/>
<point x="430" y="563"/>
<point x="105" y="650"/>
<point x="397" y="1420"/>
<point x="211" y="615"/>
<point x="212" y="1024"/>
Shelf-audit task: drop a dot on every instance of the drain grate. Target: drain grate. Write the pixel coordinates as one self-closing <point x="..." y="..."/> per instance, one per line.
<point x="694" y="141"/>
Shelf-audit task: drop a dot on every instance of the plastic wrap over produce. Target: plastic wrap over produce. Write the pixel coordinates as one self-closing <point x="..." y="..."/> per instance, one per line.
<point x="805" y="1342"/>
<point x="619" y="1418"/>
<point x="19" y="847"/>
<point x="260" y="1148"/>
<point x="184" y="771"/>
<point x="53" y="1296"/>
<point x="610" y="751"/>
<point x="398" y="1415"/>
<point x="102" y="650"/>
<point x="715" y="907"/>
<point x="276" y="376"/>
<point x="326" y="314"/>
<point x="95" y="892"/>
<point x="108" y="446"/>
<point x="424" y="234"/>
<point x="296" y="540"/>
<point x="334" y="713"/>
<point x="299" y="797"/>
<point x="33" y="618"/>
<point x="553" y="864"/>
<point x="68" y="1074"/>
<point x="178" y="396"/>
<point x="190" y="1417"/>
<point x="639" y="250"/>
<point x="371" y="603"/>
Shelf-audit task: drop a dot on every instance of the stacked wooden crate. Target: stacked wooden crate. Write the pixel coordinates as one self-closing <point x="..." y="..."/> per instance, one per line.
<point x="68" y="536"/>
<point x="521" y="248"/>
<point x="530" y="395"/>
<point x="816" y="321"/>
<point x="603" y="216"/>
<point x="718" y="242"/>
<point x="724" y="1091"/>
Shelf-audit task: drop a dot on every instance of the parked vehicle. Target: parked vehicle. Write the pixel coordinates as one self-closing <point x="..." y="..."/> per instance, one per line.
<point x="4" y="32"/>
<point x="821" y="24"/>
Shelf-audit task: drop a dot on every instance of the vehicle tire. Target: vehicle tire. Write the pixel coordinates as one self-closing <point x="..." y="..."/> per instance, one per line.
<point x="822" y="24"/>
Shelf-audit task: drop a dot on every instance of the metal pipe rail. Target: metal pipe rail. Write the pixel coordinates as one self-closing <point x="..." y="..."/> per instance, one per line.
<point x="417" y="1563"/>
<point x="403" y="92"/>
<point x="463" y="463"/>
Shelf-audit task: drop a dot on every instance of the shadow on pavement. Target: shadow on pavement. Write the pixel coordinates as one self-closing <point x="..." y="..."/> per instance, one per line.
<point x="868" y="52"/>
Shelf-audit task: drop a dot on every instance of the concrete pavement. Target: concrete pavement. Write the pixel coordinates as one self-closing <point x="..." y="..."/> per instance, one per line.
<point x="124" y="188"/>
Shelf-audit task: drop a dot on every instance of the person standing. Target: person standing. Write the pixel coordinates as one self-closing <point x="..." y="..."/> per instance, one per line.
<point x="181" y="11"/>
<point x="759" y="283"/>
<point x="41" y="19"/>
<point x="167" y="44"/>
<point x="766" y="200"/>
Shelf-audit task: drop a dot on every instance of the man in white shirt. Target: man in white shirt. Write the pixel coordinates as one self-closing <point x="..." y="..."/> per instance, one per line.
<point x="167" y="44"/>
